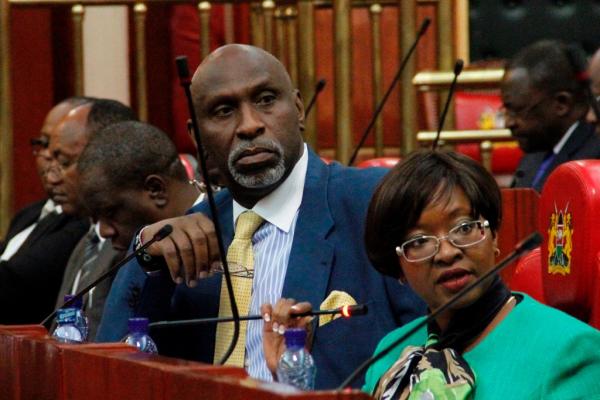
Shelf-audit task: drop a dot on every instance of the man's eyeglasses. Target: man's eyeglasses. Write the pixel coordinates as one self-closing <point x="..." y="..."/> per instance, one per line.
<point x="463" y="235"/>
<point x="234" y="269"/>
<point x="39" y="144"/>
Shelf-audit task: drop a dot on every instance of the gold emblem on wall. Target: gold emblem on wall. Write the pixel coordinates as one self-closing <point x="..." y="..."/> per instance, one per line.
<point x="560" y="242"/>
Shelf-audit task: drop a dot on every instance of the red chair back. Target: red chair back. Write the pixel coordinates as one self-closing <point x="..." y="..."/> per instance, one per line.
<point x="527" y="276"/>
<point x="385" y="162"/>
<point x="569" y="216"/>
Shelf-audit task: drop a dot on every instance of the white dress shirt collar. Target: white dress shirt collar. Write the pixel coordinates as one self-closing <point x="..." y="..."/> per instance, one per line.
<point x="561" y="143"/>
<point x="280" y="206"/>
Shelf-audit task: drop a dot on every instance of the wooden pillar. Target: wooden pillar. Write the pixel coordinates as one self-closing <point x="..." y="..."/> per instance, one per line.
<point x="204" y="17"/>
<point x="342" y="26"/>
<point x="141" y="86"/>
<point x="77" y="14"/>
<point x="6" y="134"/>
<point x="408" y="112"/>
<point x="375" y="14"/>
<point x="306" y="65"/>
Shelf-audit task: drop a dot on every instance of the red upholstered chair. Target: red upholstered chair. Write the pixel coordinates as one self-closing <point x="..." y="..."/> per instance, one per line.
<point x="385" y="162"/>
<point x="569" y="220"/>
<point x="480" y="110"/>
<point x="527" y="276"/>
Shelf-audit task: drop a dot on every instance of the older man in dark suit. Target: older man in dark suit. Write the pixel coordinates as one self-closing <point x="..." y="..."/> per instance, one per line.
<point x="93" y="254"/>
<point x="545" y="108"/>
<point x="39" y="241"/>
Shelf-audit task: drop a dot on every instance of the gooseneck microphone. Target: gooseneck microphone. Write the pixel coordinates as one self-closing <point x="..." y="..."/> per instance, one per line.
<point x="528" y="244"/>
<point x="458" y="66"/>
<point x="422" y="30"/>
<point x="185" y="81"/>
<point x="318" y="89"/>
<point x="160" y="235"/>
<point x="345" y="311"/>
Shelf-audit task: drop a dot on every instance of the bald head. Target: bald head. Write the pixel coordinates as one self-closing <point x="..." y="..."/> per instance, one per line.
<point x="223" y="65"/>
<point x="594" y="70"/>
<point x="53" y="118"/>
<point x="251" y="118"/>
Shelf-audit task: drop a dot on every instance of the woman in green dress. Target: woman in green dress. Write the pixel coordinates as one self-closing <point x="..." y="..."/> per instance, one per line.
<point x="432" y="224"/>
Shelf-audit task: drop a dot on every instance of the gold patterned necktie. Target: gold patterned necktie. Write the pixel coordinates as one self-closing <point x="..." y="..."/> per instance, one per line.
<point x="240" y="253"/>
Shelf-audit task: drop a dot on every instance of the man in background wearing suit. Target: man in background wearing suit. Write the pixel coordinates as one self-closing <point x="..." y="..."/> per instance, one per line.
<point x="545" y="108"/>
<point x="130" y="175"/>
<point x="594" y="73"/>
<point x="93" y="254"/>
<point x="308" y="222"/>
<point x="39" y="242"/>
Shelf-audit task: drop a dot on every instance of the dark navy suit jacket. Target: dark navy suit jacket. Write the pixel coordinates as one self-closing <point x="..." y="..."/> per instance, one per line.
<point x="583" y="144"/>
<point x="327" y="254"/>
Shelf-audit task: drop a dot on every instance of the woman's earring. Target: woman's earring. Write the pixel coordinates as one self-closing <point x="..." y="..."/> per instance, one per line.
<point x="496" y="252"/>
<point x="402" y="280"/>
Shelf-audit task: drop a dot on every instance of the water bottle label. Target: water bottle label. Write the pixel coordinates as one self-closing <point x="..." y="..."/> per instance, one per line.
<point x="66" y="316"/>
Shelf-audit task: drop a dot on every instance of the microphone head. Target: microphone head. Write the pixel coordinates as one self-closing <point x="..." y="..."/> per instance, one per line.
<point x="348" y="311"/>
<point x="424" y="26"/>
<point x="163" y="232"/>
<point x="530" y="242"/>
<point x="320" y="85"/>
<point x="182" y="67"/>
<point x="458" y="66"/>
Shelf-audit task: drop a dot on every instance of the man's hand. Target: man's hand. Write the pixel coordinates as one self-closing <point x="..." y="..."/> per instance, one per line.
<point x="277" y="318"/>
<point x="189" y="250"/>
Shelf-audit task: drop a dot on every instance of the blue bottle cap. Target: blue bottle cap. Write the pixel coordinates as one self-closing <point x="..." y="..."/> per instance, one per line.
<point x="77" y="304"/>
<point x="138" y="325"/>
<point x="295" y="337"/>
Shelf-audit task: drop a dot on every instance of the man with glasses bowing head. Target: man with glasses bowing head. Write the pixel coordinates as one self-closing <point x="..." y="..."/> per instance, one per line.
<point x="545" y="107"/>
<point x="294" y="223"/>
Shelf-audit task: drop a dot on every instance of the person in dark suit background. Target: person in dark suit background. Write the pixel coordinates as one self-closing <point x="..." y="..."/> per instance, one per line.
<point x="93" y="254"/>
<point x="545" y="107"/>
<point x="594" y="73"/>
<point x="307" y="247"/>
<point x="39" y="241"/>
<point x="130" y="175"/>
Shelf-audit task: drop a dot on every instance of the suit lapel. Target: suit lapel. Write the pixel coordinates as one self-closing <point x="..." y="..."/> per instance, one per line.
<point x="47" y="224"/>
<point x="577" y="140"/>
<point x="527" y="169"/>
<point x="312" y="254"/>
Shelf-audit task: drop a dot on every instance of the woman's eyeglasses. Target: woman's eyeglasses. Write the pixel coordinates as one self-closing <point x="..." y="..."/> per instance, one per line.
<point x="463" y="235"/>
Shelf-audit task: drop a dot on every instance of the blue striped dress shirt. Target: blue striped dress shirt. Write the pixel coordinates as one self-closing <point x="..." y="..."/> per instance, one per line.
<point x="272" y="244"/>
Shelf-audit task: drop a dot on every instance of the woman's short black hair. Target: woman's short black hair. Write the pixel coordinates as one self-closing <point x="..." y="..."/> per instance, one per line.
<point x="413" y="184"/>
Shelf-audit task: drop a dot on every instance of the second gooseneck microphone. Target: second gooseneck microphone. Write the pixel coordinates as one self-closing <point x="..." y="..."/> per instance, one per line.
<point x="422" y="30"/>
<point x="528" y="244"/>
<point x="345" y="311"/>
<point x="458" y="66"/>
<point x="318" y="89"/>
<point x="160" y="235"/>
<point x="184" y="79"/>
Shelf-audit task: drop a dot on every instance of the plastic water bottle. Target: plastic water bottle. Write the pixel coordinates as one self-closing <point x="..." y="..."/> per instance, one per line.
<point x="138" y="336"/>
<point x="71" y="323"/>
<point x="296" y="366"/>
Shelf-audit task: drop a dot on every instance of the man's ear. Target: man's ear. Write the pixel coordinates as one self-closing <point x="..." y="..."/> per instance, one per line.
<point x="300" y="110"/>
<point x="156" y="188"/>
<point x="563" y="101"/>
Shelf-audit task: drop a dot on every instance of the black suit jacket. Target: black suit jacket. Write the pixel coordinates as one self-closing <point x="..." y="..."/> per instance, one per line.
<point x="30" y="280"/>
<point x="582" y="145"/>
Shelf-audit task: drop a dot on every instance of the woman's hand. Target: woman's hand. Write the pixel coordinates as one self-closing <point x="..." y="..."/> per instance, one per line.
<point x="277" y="319"/>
